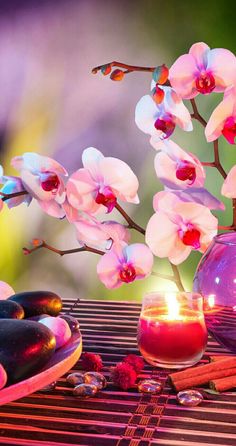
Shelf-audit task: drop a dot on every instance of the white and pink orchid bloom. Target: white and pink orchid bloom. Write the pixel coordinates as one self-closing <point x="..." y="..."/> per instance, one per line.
<point x="223" y="118"/>
<point x="94" y="233"/>
<point x="124" y="264"/>
<point x="179" y="227"/>
<point x="5" y="290"/>
<point x="202" y="70"/>
<point x="100" y="183"/>
<point x="178" y="169"/>
<point x="229" y="185"/>
<point x="198" y="195"/>
<point x="160" y="120"/>
<point x="42" y="177"/>
<point x="12" y="185"/>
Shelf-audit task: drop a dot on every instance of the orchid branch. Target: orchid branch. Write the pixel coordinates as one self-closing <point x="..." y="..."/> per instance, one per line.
<point x="175" y="278"/>
<point x="131" y="223"/>
<point x="13" y="195"/>
<point x="216" y="163"/>
<point x="42" y="244"/>
<point x="129" y="68"/>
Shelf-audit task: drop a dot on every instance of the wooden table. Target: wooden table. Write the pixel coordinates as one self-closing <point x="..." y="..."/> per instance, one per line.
<point x="114" y="417"/>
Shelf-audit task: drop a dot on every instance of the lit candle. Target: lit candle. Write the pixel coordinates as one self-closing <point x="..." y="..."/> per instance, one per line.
<point x="171" y="332"/>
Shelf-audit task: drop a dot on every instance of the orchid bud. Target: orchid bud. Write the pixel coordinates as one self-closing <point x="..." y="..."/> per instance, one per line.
<point x="117" y="75"/>
<point x="36" y="242"/>
<point x="26" y="251"/>
<point x="160" y="74"/>
<point x="158" y="94"/>
<point x="106" y="69"/>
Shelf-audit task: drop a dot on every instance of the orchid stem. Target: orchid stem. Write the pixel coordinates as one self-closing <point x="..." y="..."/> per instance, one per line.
<point x="45" y="245"/>
<point x="13" y="195"/>
<point x="216" y="163"/>
<point x="169" y="277"/>
<point x="129" y="220"/>
<point x="196" y="115"/>
<point x="129" y="68"/>
<point x="177" y="277"/>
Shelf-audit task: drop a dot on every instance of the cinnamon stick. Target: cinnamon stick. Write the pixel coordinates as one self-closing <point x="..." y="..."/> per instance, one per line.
<point x="222" y="384"/>
<point x="203" y="374"/>
<point x="214" y="358"/>
<point x="198" y="380"/>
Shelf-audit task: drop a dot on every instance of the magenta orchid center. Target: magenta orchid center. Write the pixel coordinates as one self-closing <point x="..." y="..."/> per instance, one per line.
<point x="190" y="236"/>
<point x="127" y="273"/>
<point x="186" y="171"/>
<point x="205" y="82"/>
<point x="166" y="126"/>
<point x="107" y="198"/>
<point x="229" y="130"/>
<point x="49" y="182"/>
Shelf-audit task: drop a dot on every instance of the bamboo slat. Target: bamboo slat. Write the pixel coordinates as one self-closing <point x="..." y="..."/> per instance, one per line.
<point x="114" y="417"/>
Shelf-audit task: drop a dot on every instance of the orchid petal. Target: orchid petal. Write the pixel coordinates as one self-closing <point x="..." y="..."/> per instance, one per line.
<point x="164" y="201"/>
<point x="52" y="208"/>
<point x="141" y="257"/>
<point x="5" y="290"/>
<point x="107" y="270"/>
<point x="182" y="76"/>
<point x="122" y="180"/>
<point x="91" y="158"/>
<point x="200" y="51"/>
<point x="229" y="185"/>
<point x="222" y="63"/>
<point x="175" y="106"/>
<point x="216" y="122"/>
<point x="81" y="191"/>
<point x="37" y="163"/>
<point x="199" y="195"/>
<point x="145" y="113"/>
<point x="161" y="234"/>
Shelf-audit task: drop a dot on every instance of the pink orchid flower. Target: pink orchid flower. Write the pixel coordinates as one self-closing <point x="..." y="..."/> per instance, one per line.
<point x="5" y="290"/>
<point x="102" y="235"/>
<point x="42" y="178"/>
<point x="179" y="227"/>
<point x="124" y="264"/>
<point x="202" y="70"/>
<point x="11" y="185"/>
<point x="178" y="169"/>
<point x="103" y="180"/>
<point x="229" y="185"/>
<point x="223" y="118"/>
<point x="160" y="120"/>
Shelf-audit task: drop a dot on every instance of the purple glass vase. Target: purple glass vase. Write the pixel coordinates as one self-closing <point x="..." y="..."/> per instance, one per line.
<point x="215" y="280"/>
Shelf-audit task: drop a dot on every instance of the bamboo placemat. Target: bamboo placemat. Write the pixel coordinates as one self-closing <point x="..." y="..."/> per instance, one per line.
<point x="114" y="417"/>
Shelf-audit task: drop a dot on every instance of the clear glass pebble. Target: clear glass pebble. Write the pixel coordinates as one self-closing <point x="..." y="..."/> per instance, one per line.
<point x="189" y="398"/>
<point x="85" y="390"/>
<point x="49" y="387"/>
<point x="95" y="378"/>
<point x="71" y="321"/>
<point x="75" y="378"/>
<point x="150" y="386"/>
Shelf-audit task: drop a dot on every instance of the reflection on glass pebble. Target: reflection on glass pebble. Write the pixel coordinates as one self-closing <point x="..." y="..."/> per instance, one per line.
<point x="75" y="378"/>
<point x="49" y="387"/>
<point x="95" y="378"/>
<point x="150" y="386"/>
<point x="85" y="390"/>
<point x="71" y="321"/>
<point x="189" y="397"/>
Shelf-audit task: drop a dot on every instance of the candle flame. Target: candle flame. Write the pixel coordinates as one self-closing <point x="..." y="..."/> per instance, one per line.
<point x="173" y="306"/>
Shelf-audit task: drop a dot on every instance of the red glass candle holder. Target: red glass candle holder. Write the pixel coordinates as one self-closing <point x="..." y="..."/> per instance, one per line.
<point x="171" y="329"/>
